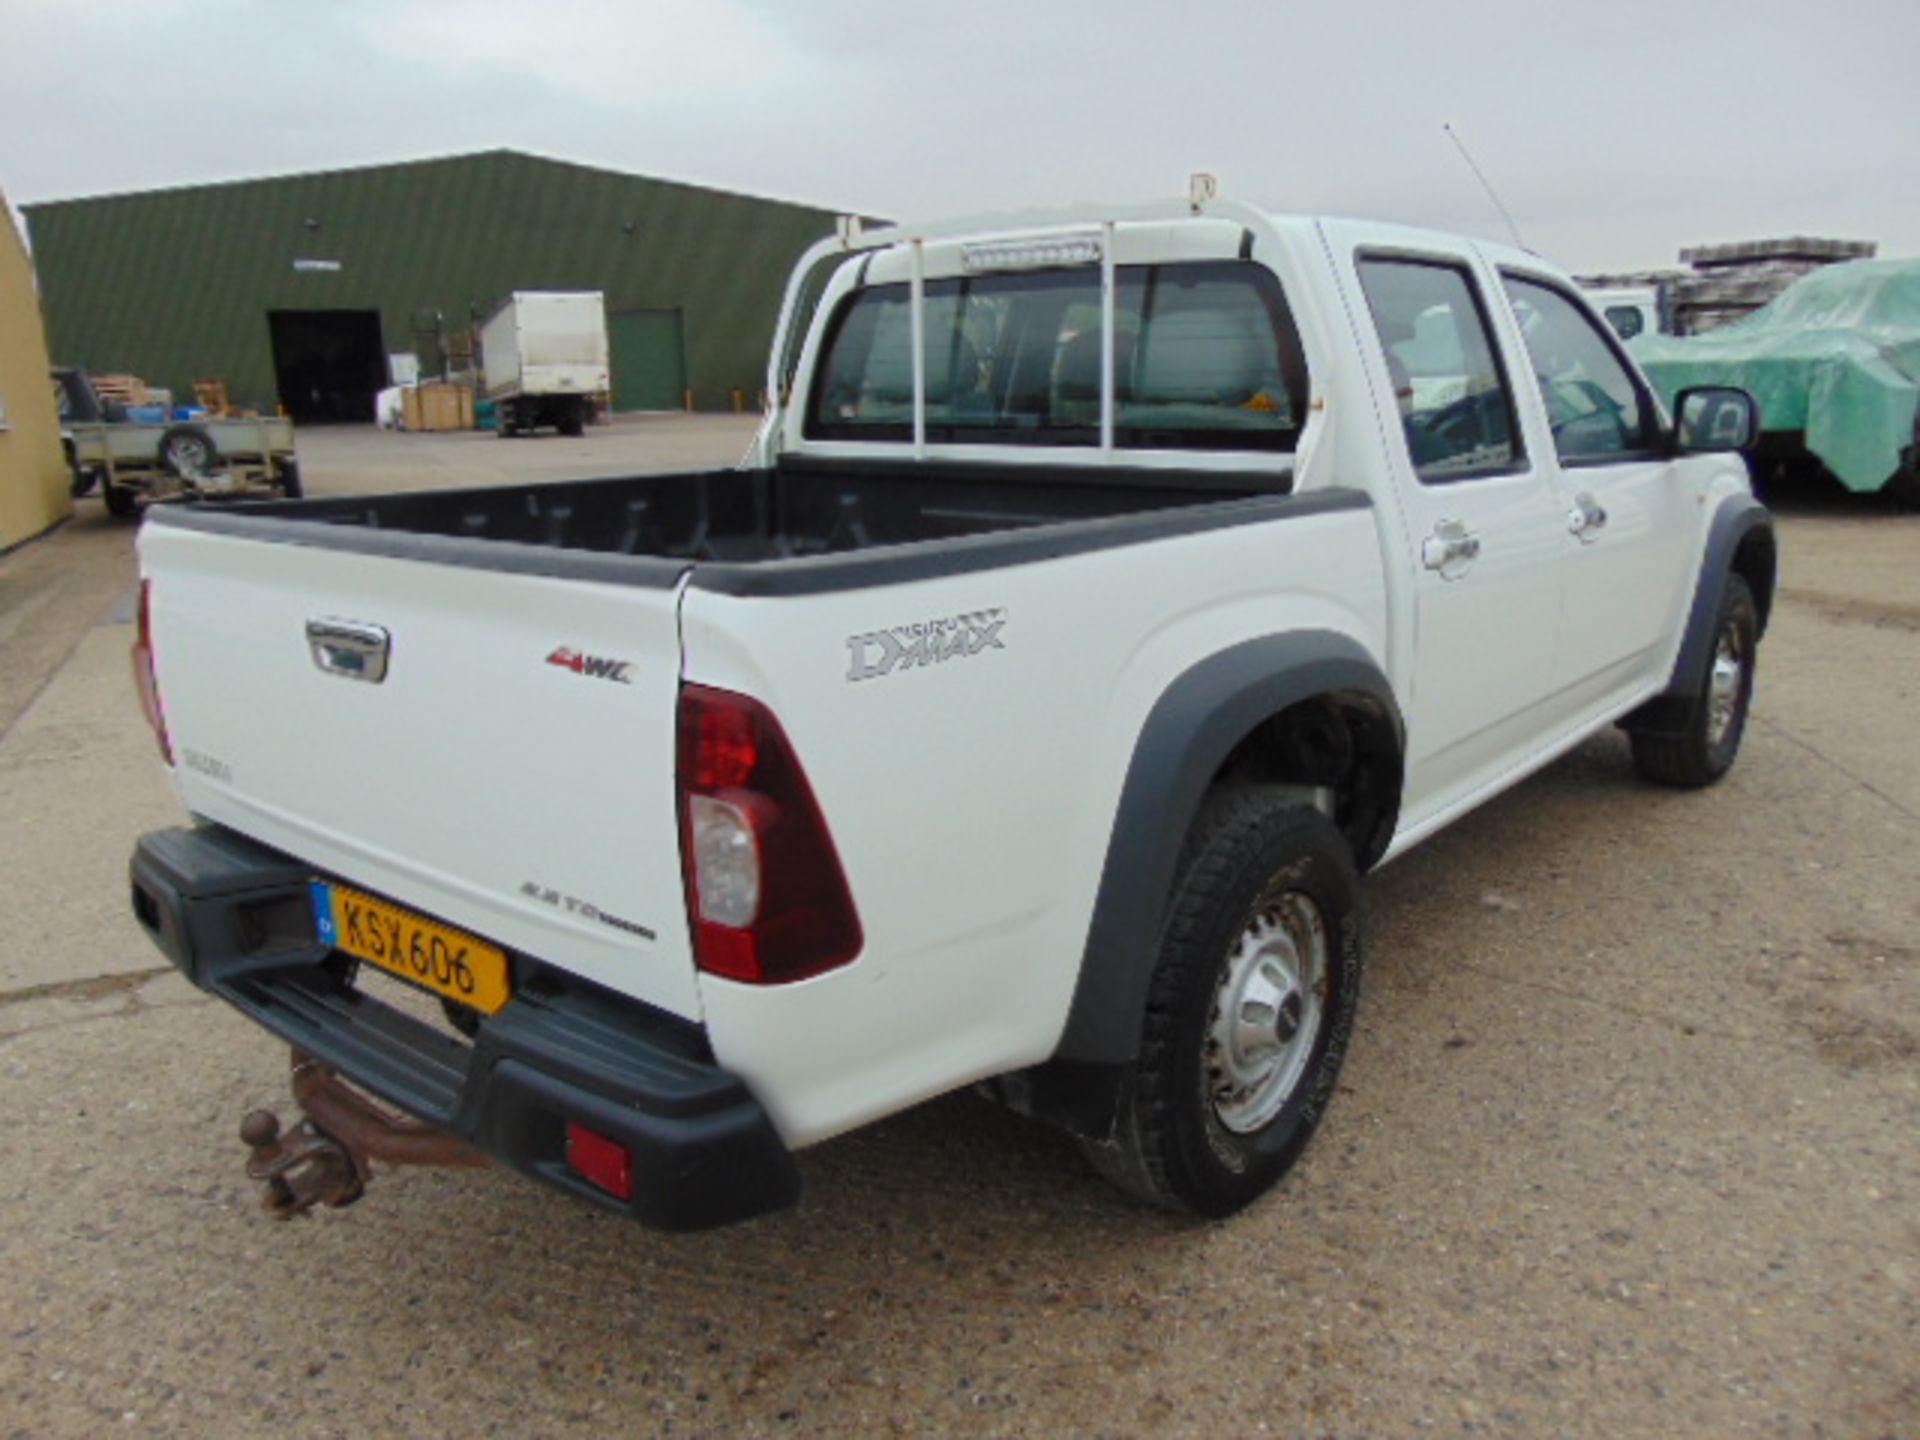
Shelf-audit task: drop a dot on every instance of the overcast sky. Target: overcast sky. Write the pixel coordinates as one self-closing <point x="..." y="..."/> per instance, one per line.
<point x="1616" y="131"/>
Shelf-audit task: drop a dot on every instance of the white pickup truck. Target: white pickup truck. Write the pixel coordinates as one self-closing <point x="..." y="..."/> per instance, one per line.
<point x="1105" y="593"/>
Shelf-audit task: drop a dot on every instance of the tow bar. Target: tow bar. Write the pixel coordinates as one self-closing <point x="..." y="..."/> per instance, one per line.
<point x="327" y="1158"/>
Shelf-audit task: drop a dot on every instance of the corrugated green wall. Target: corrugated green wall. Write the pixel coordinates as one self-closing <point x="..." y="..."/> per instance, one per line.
<point x="175" y="285"/>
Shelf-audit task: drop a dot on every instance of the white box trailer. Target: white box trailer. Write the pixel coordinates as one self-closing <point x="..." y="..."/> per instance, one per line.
<point x="1632" y="309"/>
<point x="544" y="355"/>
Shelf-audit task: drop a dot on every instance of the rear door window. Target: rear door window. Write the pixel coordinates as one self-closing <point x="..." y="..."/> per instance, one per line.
<point x="1206" y="356"/>
<point x="1448" y="382"/>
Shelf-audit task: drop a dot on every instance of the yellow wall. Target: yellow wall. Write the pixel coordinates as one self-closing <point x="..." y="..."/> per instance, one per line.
<point x="33" y="468"/>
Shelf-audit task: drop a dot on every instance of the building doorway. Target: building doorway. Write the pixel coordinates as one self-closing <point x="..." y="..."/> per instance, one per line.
<point x="645" y="354"/>
<point x="328" y="364"/>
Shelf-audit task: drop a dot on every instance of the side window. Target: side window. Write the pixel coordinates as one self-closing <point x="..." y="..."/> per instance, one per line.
<point x="1593" y="406"/>
<point x="1626" y="320"/>
<point x="1446" y="374"/>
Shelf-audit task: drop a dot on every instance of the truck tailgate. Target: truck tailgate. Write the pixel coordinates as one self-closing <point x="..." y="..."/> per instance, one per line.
<point x="512" y="772"/>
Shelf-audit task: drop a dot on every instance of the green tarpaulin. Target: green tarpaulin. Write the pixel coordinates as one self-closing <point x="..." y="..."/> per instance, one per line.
<point x="1836" y="355"/>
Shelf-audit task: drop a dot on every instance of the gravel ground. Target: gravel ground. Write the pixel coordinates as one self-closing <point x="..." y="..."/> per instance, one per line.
<point x="1627" y="1144"/>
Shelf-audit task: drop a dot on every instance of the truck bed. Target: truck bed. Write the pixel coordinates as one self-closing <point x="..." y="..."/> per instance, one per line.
<point x="742" y="517"/>
<point x="469" y="779"/>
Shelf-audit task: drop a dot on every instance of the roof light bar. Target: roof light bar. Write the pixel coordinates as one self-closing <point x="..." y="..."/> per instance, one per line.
<point x="1035" y="254"/>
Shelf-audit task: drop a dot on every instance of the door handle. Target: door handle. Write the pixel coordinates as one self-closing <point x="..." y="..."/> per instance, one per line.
<point x="1587" y="518"/>
<point x="350" y="649"/>
<point x="1450" y="550"/>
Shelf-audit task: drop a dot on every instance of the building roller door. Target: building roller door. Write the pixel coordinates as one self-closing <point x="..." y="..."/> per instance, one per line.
<point x="648" y="361"/>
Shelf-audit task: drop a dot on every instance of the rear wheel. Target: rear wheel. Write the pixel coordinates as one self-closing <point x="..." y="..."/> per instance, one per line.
<point x="1704" y="748"/>
<point x="1250" y="1009"/>
<point x="122" y="503"/>
<point x="287" y="474"/>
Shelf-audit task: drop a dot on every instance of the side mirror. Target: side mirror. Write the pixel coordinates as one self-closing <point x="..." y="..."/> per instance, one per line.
<point x="1709" y="419"/>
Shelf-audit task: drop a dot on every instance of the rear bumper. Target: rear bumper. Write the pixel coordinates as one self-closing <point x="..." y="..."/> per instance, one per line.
<point x="235" y="917"/>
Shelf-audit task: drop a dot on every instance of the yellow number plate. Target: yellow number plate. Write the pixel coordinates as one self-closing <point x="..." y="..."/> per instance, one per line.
<point x="447" y="961"/>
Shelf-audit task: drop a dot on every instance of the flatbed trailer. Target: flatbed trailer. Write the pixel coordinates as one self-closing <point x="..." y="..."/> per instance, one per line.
<point x="202" y="457"/>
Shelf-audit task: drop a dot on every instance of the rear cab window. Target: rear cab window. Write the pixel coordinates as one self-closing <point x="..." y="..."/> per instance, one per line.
<point x="1205" y="357"/>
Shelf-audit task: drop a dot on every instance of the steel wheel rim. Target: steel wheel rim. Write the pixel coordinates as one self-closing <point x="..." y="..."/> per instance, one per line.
<point x="1724" y="684"/>
<point x="1268" y="1011"/>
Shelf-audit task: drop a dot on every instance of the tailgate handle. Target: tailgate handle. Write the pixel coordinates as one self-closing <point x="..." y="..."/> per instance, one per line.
<point x="349" y="649"/>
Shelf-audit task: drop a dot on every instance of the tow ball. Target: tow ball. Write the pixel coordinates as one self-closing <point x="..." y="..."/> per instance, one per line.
<point x="327" y="1157"/>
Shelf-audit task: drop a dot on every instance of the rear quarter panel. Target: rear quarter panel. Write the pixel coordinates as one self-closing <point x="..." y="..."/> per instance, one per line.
<point x="972" y="800"/>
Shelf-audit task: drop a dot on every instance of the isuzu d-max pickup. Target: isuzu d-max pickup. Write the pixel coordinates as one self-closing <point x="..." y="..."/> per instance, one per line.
<point x="1105" y="592"/>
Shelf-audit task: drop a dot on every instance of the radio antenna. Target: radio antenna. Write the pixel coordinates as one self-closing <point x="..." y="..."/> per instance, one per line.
<point x="1485" y="183"/>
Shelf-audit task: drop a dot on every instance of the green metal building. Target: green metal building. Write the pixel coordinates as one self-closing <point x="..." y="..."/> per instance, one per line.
<point x="298" y="289"/>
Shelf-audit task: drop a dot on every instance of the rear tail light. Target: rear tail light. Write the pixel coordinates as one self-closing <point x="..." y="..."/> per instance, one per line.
<point x="145" y="682"/>
<point x="599" y="1161"/>
<point x="768" y="897"/>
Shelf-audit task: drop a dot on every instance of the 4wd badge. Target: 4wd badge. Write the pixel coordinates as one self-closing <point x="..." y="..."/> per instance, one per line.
<point x="599" y="666"/>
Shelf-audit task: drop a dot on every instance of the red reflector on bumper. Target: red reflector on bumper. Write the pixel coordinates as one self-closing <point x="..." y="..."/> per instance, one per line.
<point x="599" y="1161"/>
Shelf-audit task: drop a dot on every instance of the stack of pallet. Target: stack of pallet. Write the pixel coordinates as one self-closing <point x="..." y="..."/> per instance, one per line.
<point x="1729" y="281"/>
<point x="127" y="389"/>
<point x="437" y="405"/>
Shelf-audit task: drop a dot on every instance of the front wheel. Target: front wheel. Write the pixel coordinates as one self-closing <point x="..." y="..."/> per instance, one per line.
<point x="1704" y="748"/>
<point x="1249" y="1012"/>
<point x="122" y="503"/>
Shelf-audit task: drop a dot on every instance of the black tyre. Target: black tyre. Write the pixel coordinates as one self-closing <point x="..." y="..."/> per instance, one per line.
<point x="286" y="474"/>
<point x="1902" y="489"/>
<point x="188" y="450"/>
<point x="78" y="481"/>
<point x="573" y="419"/>
<point x="1250" y="1009"/>
<point x="1704" y="749"/>
<point x="122" y="503"/>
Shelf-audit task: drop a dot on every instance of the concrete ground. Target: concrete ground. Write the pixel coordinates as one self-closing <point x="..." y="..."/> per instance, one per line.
<point x="361" y="459"/>
<point x="1627" y="1144"/>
